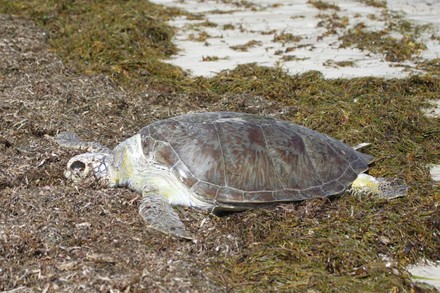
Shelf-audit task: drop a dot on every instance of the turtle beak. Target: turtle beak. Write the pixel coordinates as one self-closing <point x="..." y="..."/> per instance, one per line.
<point x="87" y="166"/>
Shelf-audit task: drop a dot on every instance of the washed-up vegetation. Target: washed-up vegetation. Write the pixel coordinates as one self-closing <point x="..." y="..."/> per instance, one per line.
<point x="113" y="81"/>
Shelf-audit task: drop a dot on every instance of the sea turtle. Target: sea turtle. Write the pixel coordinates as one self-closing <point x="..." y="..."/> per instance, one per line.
<point x="224" y="161"/>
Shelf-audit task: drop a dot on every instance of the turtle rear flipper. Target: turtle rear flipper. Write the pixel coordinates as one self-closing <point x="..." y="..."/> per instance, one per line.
<point x="159" y="215"/>
<point x="381" y="187"/>
<point x="71" y="141"/>
<point x="392" y="188"/>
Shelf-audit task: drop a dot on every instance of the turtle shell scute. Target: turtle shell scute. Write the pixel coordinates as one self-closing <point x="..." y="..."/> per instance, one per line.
<point x="207" y="190"/>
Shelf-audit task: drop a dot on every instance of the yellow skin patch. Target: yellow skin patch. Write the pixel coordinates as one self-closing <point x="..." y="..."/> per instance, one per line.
<point x="365" y="184"/>
<point x="125" y="169"/>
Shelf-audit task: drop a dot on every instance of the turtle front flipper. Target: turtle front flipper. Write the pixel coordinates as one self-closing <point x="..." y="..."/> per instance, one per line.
<point x="72" y="141"/>
<point x="158" y="214"/>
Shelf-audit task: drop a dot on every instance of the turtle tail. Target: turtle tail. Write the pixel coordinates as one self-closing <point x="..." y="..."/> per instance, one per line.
<point x="367" y="158"/>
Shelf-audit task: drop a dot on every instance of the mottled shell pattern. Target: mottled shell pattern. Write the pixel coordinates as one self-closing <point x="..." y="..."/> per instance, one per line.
<point x="236" y="158"/>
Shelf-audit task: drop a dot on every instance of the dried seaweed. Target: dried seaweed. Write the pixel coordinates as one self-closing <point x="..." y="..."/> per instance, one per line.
<point x="58" y="236"/>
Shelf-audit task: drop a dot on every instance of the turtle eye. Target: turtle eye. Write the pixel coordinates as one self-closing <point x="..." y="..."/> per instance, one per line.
<point x="78" y="166"/>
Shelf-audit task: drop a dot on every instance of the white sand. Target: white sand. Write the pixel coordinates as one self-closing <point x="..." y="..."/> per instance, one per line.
<point x="264" y="20"/>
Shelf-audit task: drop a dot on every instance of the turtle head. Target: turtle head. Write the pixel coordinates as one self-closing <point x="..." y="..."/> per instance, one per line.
<point x="90" y="166"/>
